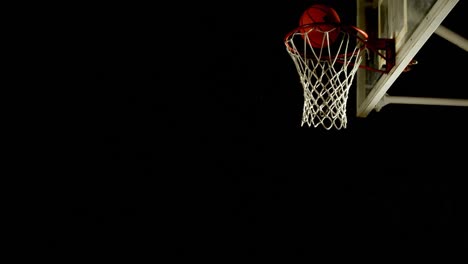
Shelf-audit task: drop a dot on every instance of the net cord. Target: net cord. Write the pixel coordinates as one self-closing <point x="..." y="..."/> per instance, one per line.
<point x="326" y="75"/>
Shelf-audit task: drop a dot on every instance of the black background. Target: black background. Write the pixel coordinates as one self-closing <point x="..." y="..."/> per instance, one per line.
<point x="194" y="143"/>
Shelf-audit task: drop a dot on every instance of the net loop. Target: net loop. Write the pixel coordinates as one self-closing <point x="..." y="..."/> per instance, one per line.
<point x="326" y="71"/>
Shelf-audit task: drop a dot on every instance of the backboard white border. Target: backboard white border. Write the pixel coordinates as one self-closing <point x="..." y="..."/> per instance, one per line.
<point x="435" y="16"/>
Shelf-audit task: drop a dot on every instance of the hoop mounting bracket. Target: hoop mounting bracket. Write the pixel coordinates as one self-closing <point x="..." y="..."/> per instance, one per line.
<point x="377" y="45"/>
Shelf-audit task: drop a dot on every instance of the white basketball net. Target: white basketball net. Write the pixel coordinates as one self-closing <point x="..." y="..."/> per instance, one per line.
<point x="326" y="74"/>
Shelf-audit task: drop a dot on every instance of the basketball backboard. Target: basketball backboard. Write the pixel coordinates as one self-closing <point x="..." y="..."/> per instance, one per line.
<point x="410" y="23"/>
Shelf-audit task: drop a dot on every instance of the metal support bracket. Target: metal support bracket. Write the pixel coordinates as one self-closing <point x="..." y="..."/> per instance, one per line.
<point x="376" y="46"/>
<point x="387" y="99"/>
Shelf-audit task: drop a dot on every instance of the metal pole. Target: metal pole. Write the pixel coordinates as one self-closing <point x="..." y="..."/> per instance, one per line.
<point x="387" y="99"/>
<point x="452" y="37"/>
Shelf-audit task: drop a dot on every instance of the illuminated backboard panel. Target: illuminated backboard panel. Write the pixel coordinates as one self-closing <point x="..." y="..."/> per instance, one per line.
<point x="410" y="23"/>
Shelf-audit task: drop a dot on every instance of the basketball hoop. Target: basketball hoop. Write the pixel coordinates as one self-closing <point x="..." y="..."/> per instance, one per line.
<point x="327" y="55"/>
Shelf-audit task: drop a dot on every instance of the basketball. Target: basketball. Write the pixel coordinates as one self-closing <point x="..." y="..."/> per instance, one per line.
<point x="318" y="14"/>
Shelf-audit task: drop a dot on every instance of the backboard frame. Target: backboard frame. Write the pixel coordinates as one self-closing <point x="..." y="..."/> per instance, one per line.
<point x="368" y="96"/>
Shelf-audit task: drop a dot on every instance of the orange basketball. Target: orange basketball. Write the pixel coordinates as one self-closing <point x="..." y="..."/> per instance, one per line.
<point x="316" y="14"/>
